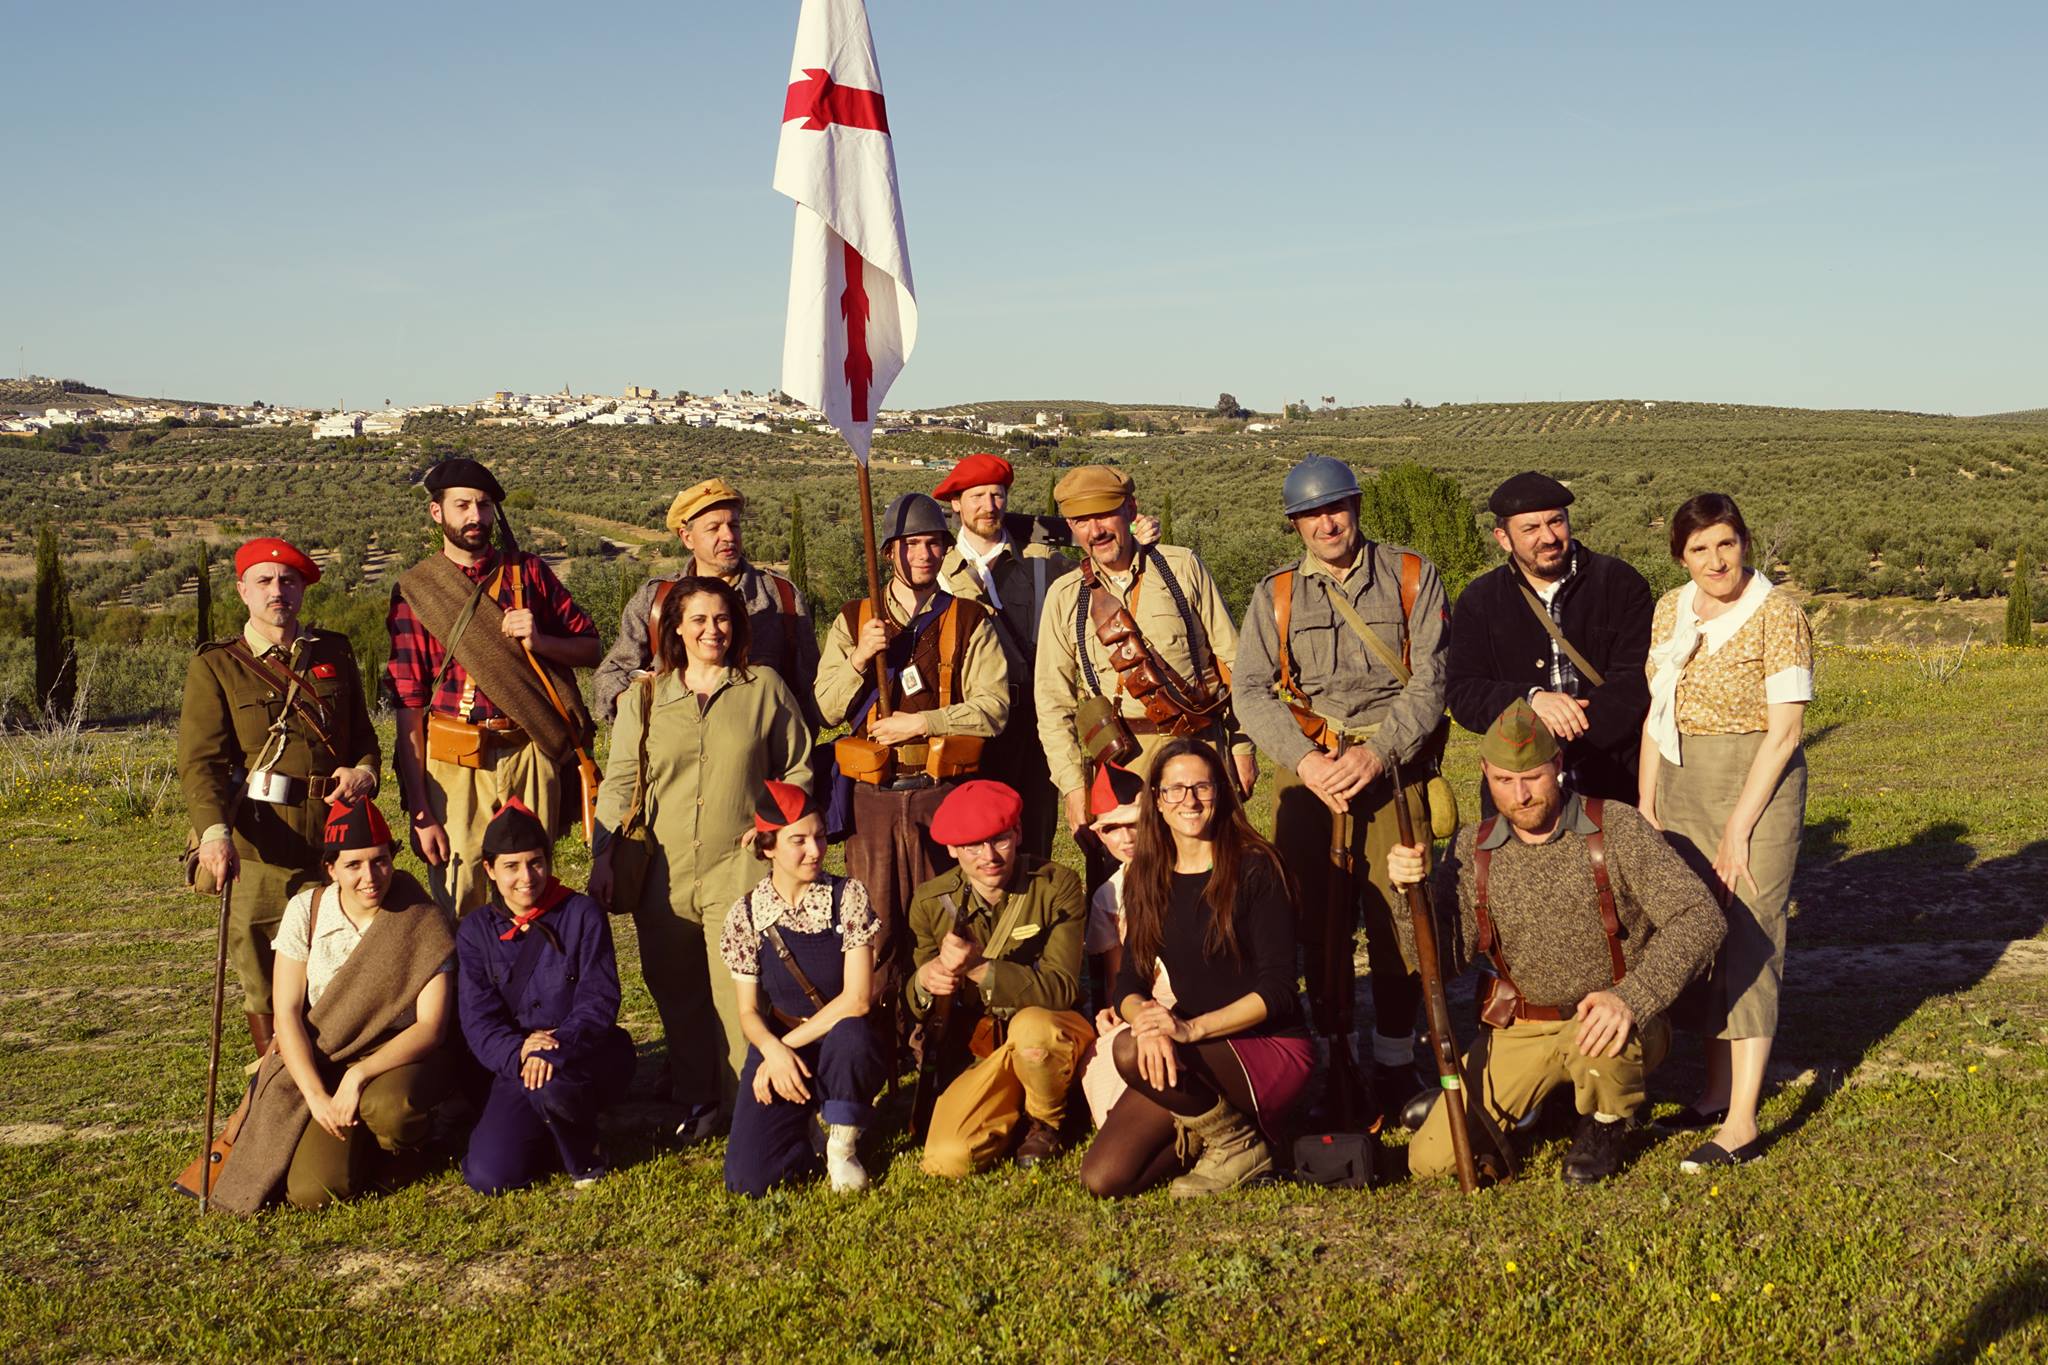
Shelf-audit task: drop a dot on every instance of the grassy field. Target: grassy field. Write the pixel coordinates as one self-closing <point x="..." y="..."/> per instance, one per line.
<point x="1896" y="1216"/>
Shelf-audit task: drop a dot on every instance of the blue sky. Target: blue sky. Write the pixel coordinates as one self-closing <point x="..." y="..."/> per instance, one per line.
<point x="1814" y="205"/>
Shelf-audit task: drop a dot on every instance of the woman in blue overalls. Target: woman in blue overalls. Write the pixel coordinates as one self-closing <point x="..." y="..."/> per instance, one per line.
<point x="799" y="949"/>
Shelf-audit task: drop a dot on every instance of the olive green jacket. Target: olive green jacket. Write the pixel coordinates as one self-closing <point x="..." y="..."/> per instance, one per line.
<point x="1039" y="960"/>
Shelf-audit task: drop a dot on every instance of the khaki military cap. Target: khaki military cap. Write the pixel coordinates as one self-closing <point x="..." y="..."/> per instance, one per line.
<point x="1518" y="741"/>
<point x="701" y="497"/>
<point x="1091" y="490"/>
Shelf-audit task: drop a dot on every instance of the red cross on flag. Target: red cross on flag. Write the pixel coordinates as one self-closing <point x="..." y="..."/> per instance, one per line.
<point x="852" y="308"/>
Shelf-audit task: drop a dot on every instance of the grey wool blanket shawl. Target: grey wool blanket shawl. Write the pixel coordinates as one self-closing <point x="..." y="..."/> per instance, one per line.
<point x="369" y="1000"/>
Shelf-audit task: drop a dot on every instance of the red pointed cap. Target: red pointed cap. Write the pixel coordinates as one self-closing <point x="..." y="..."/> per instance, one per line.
<point x="974" y="471"/>
<point x="271" y="550"/>
<point x="782" y="803"/>
<point x="1115" y="789"/>
<point x="974" y="811"/>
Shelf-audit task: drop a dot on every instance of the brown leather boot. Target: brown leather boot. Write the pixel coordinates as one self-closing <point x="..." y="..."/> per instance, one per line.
<point x="1233" y="1153"/>
<point x="1041" y="1143"/>
<point x="260" y="1031"/>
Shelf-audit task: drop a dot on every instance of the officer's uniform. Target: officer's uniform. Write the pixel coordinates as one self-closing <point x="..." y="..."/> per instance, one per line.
<point x="226" y="721"/>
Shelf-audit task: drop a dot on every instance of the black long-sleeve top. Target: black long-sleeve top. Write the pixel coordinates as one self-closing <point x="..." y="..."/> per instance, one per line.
<point x="1265" y="952"/>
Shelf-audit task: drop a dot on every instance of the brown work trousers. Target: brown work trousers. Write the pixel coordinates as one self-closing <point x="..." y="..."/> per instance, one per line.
<point x="393" y="1116"/>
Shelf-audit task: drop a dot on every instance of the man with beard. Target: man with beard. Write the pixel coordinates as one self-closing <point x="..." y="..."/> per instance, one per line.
<point x="274" y="731"/>
<point x="1000" y="935"/>
<point x="948" y="690"/>
<point x="483" y="647"/>
<point x="706" y="518"/>
<point x="997" y="562"/>
<point x="1133" y="650"/>
<point x="1591" y="925"/>
<point x="1561" y="628"/>
<point x="1341" y="679"/>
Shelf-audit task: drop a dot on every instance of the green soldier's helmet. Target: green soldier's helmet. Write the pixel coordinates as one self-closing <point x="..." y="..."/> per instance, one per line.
<point x="1316" y="482"/>
<point x="913" y="514"/>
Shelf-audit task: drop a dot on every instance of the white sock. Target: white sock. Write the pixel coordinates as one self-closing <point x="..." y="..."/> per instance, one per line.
<point x="1599" y="1117"/>
<point x="1393" y="1051"/>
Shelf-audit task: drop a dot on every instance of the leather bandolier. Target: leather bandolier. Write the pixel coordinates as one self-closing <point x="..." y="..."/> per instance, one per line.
<point x="1173" y="704"/>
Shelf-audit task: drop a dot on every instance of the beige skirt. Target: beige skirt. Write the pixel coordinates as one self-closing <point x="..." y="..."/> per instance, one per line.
<point x="1739" y="996"/>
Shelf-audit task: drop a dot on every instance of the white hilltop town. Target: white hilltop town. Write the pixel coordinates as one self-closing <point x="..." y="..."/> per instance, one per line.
<point x="635" y="406"/>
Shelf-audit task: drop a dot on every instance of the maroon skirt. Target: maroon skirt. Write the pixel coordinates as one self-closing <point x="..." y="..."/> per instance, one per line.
<point x="1277" y="1068"/>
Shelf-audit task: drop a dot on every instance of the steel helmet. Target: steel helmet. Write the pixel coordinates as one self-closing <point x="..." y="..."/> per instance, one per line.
<point x="1317" y="482"/>
<point x="913" y="514"/>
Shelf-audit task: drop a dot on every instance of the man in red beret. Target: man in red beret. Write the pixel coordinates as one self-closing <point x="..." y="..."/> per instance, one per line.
<point x="999" y="936"/>
<point x="1005" y="561"/>
<point x="275" y="728"/>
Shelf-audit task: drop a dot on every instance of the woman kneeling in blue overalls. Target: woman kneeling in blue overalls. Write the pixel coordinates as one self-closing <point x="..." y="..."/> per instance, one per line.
<point x="798" y="947"/>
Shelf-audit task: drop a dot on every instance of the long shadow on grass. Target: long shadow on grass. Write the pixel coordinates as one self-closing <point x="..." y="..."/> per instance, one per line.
<point x="2017" y="1300"/>
<point x="1875" y="935"/>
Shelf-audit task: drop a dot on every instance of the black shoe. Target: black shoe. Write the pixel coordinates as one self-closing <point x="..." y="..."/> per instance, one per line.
<point x="1691" y="1120"/>
<point x="1596" y="1151"/>
<point x="1393" y="1088"/>
<point x="1415" y="1112"/>
<point x="1041" y="1143"/>
<point x="1709" y="1155"/>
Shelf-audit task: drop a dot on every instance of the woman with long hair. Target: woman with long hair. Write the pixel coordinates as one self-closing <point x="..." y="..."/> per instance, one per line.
<point x="1204" y="897"/>
<point x="1731" y="672"/>
<point x="696" y="742"/>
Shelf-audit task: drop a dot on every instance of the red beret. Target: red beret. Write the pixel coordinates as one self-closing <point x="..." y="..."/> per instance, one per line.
<point x="782" y="804"/>
<point x="271" y="550"/>
<point x="974" y="811"/>
<point x="974" y="471"/>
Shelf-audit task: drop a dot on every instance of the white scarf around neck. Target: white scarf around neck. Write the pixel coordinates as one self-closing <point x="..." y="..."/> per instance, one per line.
<point x="1688" y="633"/>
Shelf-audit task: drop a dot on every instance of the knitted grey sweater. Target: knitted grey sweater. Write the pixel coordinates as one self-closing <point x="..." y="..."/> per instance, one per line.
<point x="1546" y="911"/>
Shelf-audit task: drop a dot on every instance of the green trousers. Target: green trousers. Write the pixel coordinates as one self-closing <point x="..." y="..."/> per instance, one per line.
<point x="393" y="1117"/>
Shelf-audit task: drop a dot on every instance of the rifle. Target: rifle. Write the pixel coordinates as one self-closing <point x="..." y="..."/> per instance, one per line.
<point x="1443" y="1043"/>
<point x="587" y="777"/>
<point x="1340" y="975"/>
<point x="938" y="1042"/>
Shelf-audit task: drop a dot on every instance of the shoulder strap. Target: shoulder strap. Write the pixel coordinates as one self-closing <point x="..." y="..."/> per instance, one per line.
<point x="1379" y="648"/>
<point x="1596" y="846"/>
<point x="638" y="809"/>
<point x="786" y="591"/>
<point x="1084" y="611"/>
<point x="1411" y="588"/>
<point x="1556" y="632"/>
<point x="1189" y="621"/>
<point x="1283" y="616"/>
<point x="663" y="590"/>
<point x="949" y="649"/>
<point x="299" y="695"/>
<point x="789" y="964"/>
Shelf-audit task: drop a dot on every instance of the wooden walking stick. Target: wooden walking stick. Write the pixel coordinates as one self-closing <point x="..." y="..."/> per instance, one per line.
<point x="220" y="988"/>
<point x="1443" y="1043"/>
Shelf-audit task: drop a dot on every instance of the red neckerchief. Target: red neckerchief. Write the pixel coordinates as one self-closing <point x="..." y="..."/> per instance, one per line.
<point x="555" y="894"/>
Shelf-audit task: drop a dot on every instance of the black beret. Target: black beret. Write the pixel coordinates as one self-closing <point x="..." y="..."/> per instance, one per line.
<point x="1528" y="492"/>
<point x="462" y="472"/>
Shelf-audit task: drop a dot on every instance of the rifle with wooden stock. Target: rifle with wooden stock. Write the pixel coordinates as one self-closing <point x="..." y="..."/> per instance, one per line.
<point x="939" y="1042"/>
<point x="1443" y="1042"/>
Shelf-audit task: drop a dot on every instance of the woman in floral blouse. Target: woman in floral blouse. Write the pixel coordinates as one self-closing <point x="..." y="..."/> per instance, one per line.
<point x="1731" y="672"/>
<point x="800" y="947"/>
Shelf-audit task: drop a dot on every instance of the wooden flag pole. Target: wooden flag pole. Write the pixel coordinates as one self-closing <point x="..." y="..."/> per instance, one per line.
<point x="875" y="602"/>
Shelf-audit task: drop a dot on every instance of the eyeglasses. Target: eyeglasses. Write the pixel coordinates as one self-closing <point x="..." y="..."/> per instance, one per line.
<point x="998" y="844"/>
<point x="1178" y="793"/>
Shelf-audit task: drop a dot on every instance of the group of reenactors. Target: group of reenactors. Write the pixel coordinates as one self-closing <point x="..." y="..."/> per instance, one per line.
<point x="997" y="656"/>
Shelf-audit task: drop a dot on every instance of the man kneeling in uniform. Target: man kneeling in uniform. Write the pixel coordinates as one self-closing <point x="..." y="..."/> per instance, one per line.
<point x="1591" y="924"/>
<point x="1001" y="935"/>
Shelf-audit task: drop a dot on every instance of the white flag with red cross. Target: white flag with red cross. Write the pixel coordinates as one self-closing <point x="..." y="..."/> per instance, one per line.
<point x="852" y="308"/>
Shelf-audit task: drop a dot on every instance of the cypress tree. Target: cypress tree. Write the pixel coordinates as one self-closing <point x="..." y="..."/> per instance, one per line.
<point x="203" y="599"/>
<point x="56" y="660"/>
<point x="799" y="557"/>
<point x="2019" y="601"/>
<point x="1052" y="504"/>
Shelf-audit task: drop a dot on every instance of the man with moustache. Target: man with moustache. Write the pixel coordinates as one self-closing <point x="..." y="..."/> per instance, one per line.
<point x="1340" y="672"/>
<point x="1591" y="925"/>
<point x="997" y="562"/>
<point x="274" y="730"/>
<point x="1000" y="934"/>
<point x="946" y="681"/>
<point x="1183" y="637"/>
<point x="483" y="646"/>
<point x="707" y="518"/>
<point x="1562" y="628"/>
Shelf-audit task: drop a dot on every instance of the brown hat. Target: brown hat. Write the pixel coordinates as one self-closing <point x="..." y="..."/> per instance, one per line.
<point x="1091" y="490"/>
<point x="1518" y="741"/>
<point x="698" y="498"/>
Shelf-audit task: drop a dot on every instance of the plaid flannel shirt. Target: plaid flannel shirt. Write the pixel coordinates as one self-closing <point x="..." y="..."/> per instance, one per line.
<point x="1564" y="675"/>
<point x="415" y="654"/>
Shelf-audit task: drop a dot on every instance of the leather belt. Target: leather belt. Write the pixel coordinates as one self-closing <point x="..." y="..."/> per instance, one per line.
<point x="299" y="791"/>
<point x="504" y="727"/>
<point x="912" y="755"/>
<point x="1141" y="726"/>
<point x="917" y="782"/>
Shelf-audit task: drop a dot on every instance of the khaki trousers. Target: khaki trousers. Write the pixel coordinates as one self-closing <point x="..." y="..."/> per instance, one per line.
<point x="697" y="1000"/>
<point x="393" y="1116"/>
<point x="1512" y="1069"/>
<point x="462" y="800"/>
<point x="976" y="1116"/>
<point x="1301" y="831"/>
<point x="254" y="909"/>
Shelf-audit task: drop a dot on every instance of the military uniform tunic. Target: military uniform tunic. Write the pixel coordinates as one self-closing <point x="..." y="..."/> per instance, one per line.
<point x="223" y="727"/>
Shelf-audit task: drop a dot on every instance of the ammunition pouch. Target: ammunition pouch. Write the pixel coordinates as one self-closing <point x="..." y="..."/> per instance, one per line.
<point x="454" y="741"/>
<point x="864" y="760"/>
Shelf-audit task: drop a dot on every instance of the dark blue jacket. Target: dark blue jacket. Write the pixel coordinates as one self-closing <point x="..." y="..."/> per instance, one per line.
<point x="573" y="989"/>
